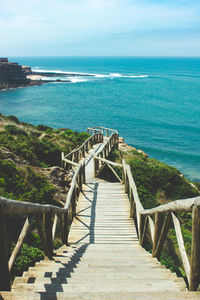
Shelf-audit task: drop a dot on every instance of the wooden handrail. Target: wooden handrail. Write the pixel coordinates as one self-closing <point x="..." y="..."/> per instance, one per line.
<point x="159" y="228"/>
<point x="164" y="215"/>
<point x="72" y="158"/>
<point x="20" y="207"/>
<point x="46" y="216"/>
<point x="100" y="157"/>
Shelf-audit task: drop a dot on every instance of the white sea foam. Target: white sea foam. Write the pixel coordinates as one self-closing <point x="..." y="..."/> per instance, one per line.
<point x="115" y="75"/>
<point x="138" y="76"/>
<point x="101" y="75"/>
<point x="77" y="79"/>
<point x="110" y="75"/>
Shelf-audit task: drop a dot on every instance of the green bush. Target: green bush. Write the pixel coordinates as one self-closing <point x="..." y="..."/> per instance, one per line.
<point x="153" y="177"/>
<point x="24" y="184"/>
<point x="42" y="127"/>
<point x="14" y="130"/>
<point x="14" y="119"/>
<point x="38" y="152"/>
<point x="28" y="257"/>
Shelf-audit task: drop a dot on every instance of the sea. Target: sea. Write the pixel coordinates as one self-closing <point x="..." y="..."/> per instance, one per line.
<point x="154" y="103"/>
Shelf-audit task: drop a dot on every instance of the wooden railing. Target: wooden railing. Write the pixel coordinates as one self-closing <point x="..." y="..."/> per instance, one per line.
<point x="100" y="157"/>
<point x="160" y="219"/>
<point x="46" y="216"/>
<point x="72" y="159"/>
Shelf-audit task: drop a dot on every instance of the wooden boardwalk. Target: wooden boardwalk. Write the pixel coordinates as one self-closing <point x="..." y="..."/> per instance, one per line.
<point x="104" y="259"/>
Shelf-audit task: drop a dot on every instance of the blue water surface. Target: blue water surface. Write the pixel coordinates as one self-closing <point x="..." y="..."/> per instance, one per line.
<point x="154" y="103"/>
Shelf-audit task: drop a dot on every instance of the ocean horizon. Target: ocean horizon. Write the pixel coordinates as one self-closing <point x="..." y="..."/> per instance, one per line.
<point x="153" y="102"/>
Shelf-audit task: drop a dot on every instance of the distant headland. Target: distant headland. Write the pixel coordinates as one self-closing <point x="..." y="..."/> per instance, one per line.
<point x="13" y="75"/>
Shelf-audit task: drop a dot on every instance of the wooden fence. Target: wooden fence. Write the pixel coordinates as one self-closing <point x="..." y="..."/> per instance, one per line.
<point x="72" y="159"/>
<point x="100" y="157"/>
<point x="47" y="217"/>
<point x="160" y="219"/>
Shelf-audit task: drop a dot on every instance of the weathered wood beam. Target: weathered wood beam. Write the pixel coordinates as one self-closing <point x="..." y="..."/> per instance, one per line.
<point x="20" y="207"/>
<point x="142" y="240"/>
<point x="55" y="222"/>
<point x="64" y="227"/>
<point x="20" y="242"/>
<point x="4" y="272"/>
<point x="181" y="246"/>
<point x="163" y="235"/>
<point x="134" y="189"/>
<point x="157" y="231"/>
<point x="108" y="161"/>
<point x="194" y="280"/>
<point x="174" y="206"/>
<point x="117" y="176"/>
<point x="48" y="234"/>
<point x="151" y="225"/>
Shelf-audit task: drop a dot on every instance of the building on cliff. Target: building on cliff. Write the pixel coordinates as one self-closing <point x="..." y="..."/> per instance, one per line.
<point x="13" y="72"/>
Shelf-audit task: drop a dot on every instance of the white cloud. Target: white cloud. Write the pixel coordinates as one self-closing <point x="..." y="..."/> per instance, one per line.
<point x="76" y="21"/>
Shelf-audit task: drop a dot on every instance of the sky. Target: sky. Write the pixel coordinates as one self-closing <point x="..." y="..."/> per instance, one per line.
<point x="99" y="28"/>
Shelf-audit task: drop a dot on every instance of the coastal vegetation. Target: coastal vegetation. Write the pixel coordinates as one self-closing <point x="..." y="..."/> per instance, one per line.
<point x="158" y="183"/>
<point x="30" y="171"/>
<point x="30" y="168"/>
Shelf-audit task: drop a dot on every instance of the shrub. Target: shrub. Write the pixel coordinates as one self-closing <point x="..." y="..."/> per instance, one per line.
<point x="14" y="130"/>
<point x="14" y="119"/>
<point x="28" y="257"/>
<point x="42" y="127"/>
<point x="24" y="184"/>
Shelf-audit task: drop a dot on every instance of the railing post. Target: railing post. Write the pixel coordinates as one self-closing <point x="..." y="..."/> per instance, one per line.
<point x="62" y="162"/>
<point x="48" y="233"/>
<point x="44" y="224"/>
<point x="131" y="201"/>
<point x="80" y="179"/>
<point x="4" y="272"/>
<point x="157" y="231"/>
<point x="64" y="223"/>
<point x="126" y="183"/>
<point x="83" y="174"/>
<point x="141" y="227"/>
<point x="74" y="202"/>
<point x="95" y="165"/>
<point x="123" y="171"/>
<point x="195" y="252"/>
<point x="163" y="235"/>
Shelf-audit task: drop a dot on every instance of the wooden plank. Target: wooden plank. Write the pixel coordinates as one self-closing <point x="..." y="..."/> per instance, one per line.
<point x="134" y="189"/>
<point x="142" y="240"/>
<point x="141" y="227"/>
<point x="64" y="227"/>
<point x="117" y="176"/>
<point x="174" y="206"/>
<point x="181" y="246"/>
<point x="20" y="242"/>
<point x="107" y="161"/>
<point x="194" y="280"/>
<point x="55" y="221"/>
<point x="4" y="272"/>
<point x="157" y="231"/>
<point x="151" y="224"/>
<point x="163" y="235"/>
<point x="20" y="207"/>
<point x="48" y="234"/>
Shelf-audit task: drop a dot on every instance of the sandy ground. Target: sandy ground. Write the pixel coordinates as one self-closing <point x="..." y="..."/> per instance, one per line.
<point x="34" y="77"/>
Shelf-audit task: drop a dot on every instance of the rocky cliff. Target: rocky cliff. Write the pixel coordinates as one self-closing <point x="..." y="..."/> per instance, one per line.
<point x="14" y="75"/>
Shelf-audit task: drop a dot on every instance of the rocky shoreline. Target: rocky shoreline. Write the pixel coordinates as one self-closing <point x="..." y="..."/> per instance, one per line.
<point x="9" y="85"/>
<point x="13" y="75"/>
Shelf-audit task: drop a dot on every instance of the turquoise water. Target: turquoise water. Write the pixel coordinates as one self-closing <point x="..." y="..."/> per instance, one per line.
<point x="154" y="103"/>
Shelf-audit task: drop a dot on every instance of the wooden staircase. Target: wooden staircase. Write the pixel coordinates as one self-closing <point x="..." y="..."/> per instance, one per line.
<point x="104" y="259"/>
